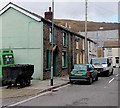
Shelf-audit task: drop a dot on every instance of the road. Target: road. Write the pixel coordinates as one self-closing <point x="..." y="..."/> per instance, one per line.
<point x="103" y="92"/>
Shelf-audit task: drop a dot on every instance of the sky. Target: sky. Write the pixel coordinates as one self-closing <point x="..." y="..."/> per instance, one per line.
<point x="100" y="11"/>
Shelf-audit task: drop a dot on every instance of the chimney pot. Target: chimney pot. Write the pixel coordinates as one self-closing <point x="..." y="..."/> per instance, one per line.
<point x="48" y="15"/>
<point x="49" y="9"/>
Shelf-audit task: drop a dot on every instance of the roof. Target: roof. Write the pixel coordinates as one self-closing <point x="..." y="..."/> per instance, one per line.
<point x="101" y="58"/>
<point x="22" y="10"/>
<point x="111" y="44"/>
<point x="37" y="18"/>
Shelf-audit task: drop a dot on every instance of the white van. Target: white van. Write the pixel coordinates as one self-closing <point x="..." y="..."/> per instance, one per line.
<point x="105" y="62"/>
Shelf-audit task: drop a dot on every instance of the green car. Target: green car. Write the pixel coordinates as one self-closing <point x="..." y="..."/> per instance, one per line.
<point x="83" y="72"/>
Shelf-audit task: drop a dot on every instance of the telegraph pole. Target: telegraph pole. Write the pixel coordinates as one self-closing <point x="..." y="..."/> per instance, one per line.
<point x="52" y="43"/>
<point x="86" y="47"/>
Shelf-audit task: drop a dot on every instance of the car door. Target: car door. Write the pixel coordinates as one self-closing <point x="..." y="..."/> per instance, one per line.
<point x="93" y="71"/>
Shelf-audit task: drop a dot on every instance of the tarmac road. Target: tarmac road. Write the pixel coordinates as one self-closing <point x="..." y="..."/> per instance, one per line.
<point x="103" y="92"/>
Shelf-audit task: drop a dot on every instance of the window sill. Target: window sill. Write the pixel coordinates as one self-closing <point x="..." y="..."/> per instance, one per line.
<point x="52" y="43"/>
<point x="64" y="67"/>
<point x="47" y="69"/>
<point x="64" y="46"/>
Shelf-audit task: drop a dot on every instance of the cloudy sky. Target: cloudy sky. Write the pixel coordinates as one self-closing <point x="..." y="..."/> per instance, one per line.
<point x="100" y="11"/>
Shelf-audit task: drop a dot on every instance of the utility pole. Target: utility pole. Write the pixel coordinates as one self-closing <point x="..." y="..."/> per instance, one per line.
<point x="97" y="44"/>
<point x="100" y="28"/>
<point x="86" y="47"/>
<point x="52" y="43"/>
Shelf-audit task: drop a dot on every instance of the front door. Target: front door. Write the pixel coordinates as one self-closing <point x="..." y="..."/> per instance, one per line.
<point x="55" y="71"/>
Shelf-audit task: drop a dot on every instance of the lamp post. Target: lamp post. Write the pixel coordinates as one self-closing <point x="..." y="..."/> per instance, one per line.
<point x="52" y="43"/>
<point x="86" y="48"/>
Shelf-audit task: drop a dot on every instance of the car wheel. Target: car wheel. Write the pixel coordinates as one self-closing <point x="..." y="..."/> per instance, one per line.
<point x="112" y="72"/>
<point x="96" y="79"/>
<point x="90" y="80"/>
<point x="71" y="82"/>
<point x="22" y="83"/>
<point x="107" y="73"/>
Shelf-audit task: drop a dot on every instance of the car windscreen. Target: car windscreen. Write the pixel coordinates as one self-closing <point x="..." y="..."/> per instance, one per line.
<point x="80" y="67"/>
<point x="99" y="61"/>
<point x="8" y="59"/>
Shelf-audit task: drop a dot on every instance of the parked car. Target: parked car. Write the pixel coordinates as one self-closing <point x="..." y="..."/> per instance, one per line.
<point x="83" y="72"/>
<point x="103" y="65"/>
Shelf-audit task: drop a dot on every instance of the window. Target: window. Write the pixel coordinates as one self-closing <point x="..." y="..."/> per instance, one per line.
<point x="8" y="59"/>
<point x="77" y="45"/>
<point x="117" y="60"/>
<point x="64" y="59"/>
<point x="64" y="39"/>
<point x="77" y="56"/>
<point x="83" y="44"/>
<point x="48" y="57"/>
<point x="89" y="46"/>
<point x="50" y="34"/>
<point x="109" y="51"/>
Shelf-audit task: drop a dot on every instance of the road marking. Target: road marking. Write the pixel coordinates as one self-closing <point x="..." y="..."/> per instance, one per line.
<point x="111" y="80"/>
<point x="117" y="75"/>
<point x="29" y="99"/>
<point x="36" y="96"/>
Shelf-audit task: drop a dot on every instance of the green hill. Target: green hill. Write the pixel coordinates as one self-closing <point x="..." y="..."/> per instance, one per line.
<point x="78" y="26"/>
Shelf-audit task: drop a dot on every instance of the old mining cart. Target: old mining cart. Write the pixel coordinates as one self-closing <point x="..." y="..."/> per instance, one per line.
<point x="14" y="74"/>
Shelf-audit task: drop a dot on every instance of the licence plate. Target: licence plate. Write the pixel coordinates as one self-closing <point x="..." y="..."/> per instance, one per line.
<point x="78" y="74"/>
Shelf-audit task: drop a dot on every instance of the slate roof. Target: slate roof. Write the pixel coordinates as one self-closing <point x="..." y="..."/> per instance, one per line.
<point x="112" y="44"/>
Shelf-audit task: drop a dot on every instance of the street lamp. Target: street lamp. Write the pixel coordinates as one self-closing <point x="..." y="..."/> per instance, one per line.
<point x="52" y="43"/>
<point x="86" y="48"/>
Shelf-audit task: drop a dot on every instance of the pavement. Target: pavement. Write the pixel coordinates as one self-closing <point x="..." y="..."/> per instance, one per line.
<point x="37" y="87"/>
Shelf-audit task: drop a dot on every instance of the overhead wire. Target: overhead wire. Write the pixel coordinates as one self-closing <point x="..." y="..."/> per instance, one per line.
<point x="103" y="10"/>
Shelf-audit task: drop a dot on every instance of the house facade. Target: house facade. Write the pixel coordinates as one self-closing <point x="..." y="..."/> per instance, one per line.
<point x="30" y="37"/>
<point x="112" y="49"/>
<point x="92" y="50"/>
<point x="100" y="36"/>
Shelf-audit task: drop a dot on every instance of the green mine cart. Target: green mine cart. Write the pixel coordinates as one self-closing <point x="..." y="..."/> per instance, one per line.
<point x="14" y="74"/>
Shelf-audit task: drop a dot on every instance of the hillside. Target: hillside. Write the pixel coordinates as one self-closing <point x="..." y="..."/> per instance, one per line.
<point x="78" y="26"/>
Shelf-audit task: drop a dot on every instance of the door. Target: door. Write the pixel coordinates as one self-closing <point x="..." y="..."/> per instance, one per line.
<point x="117" y="61"/>
<point x="55" y="71"/>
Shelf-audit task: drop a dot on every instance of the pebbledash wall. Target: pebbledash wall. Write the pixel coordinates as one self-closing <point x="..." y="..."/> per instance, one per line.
<point x="29" y="35"/>
<point x="24" y="35"/>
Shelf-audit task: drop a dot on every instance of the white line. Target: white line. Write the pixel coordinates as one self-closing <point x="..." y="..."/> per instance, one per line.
<point x="117" y="75"/>
<point x="111" y="80"/>
<point x="29" y="99"/>
<point x="36" y="96"/>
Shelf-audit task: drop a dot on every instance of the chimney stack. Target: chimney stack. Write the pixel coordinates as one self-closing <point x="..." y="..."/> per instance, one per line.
<point x="49" y="14"/>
